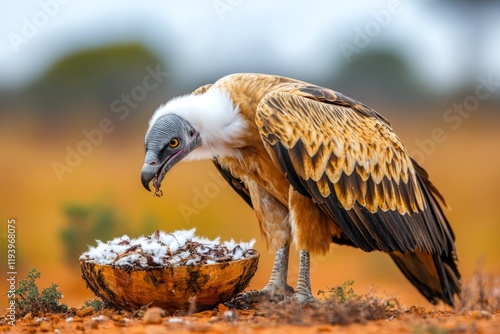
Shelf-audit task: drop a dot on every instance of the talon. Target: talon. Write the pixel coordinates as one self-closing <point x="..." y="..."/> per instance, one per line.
<point x="252" y="296"/>
<point x="238" y="303"/>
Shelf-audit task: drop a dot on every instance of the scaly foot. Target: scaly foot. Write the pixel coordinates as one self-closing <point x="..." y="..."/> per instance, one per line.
<point x="303" y="292"/>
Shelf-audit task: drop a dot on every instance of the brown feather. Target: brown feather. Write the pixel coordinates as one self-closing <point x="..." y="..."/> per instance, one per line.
<point x="202" y="89"/>
<point x="345" y="133"/>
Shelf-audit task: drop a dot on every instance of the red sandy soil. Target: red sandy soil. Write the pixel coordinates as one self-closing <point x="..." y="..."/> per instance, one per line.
<point x="478" y="311"/>
<point x="413" y="320"/>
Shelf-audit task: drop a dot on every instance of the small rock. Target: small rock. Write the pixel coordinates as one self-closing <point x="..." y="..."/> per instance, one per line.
<point x="85" y="311"/>
<point x="28" y="316"/>
<point x="72" y="310"/>
<point x="230" y="315"/>
<point x="119" y="320"/>
<point x="108" y="312"/>
<point x="153" y="316"/>
<point x="45" y="326"/>
<point x="100" y="318"/>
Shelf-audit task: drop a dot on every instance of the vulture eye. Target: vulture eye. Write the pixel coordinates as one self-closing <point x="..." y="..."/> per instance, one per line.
<point x="174" y="142"/>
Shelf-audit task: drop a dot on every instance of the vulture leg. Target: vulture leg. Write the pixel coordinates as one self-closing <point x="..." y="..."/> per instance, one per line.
<point x="275" y="227"/>
<point x="277" y="283"/>
<point x="303" y="292"/>
<point x="277" y="288"/>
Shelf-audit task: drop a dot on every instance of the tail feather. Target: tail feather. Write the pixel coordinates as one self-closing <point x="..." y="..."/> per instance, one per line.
<point x="435" y="276"/>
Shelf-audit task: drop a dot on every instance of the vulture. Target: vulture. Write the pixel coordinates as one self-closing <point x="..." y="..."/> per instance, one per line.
<point x="316" y="167"/>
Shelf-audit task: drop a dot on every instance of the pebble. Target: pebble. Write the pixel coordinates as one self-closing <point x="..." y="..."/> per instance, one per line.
<point x="45" y="326"/>
<point x="28" y="316"/>
<point x="153" y="316"/>
<point x="119" y="320"/>
<point x="85" y="311"/>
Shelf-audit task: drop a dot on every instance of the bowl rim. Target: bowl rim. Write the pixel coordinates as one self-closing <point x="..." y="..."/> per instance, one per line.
<point x="149" y="268"/>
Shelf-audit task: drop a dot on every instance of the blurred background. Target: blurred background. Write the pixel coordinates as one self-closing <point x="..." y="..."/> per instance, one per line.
<point x="79" y="81"/>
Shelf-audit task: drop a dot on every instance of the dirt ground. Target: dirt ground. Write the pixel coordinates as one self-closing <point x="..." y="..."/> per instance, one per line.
<point x="478" y="311"/>
<point x="413" y="320"/>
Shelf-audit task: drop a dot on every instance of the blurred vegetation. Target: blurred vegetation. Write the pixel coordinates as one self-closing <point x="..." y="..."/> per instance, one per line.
<point x="99" y="74"/>
<point x="375" y="75"/>
<point x="481" y="293"/>
<point x="81" y="88"/>
<point x="85" y="223"/>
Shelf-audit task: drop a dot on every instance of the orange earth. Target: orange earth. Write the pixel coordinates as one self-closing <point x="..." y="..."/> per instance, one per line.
<point x="478" y="311"/>
<point x="413" y="320"/>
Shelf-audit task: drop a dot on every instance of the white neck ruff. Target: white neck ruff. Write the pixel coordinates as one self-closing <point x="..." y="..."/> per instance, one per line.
<point x="214" y="115"/>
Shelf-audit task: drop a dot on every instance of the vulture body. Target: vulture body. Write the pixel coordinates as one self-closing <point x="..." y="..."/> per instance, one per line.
<point x="316" y="167"/>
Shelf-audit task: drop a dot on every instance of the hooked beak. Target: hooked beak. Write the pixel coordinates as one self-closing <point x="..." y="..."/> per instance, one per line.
<point x="153" y="170"/>
<point x="147" y="174"/>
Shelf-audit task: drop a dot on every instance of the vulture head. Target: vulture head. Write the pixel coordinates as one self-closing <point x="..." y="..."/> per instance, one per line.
<point x="169" y="139"/>
<point x="191" y="127"/>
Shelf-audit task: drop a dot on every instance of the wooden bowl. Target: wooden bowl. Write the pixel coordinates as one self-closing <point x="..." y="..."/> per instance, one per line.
<point x="171" y="288"/>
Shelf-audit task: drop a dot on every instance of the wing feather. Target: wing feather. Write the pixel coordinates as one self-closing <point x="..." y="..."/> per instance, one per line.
<point x="347" y="158"/>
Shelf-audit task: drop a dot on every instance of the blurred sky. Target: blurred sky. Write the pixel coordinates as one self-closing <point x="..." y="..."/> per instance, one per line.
<point x="298" y="38"/>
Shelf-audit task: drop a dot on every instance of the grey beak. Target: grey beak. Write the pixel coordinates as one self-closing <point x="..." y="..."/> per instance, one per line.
<point x="149" y="169"/>
<point x="147" y="174"/>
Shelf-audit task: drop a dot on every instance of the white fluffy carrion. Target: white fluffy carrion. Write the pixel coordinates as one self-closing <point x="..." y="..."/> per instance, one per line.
<point x="162" y="249"/>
